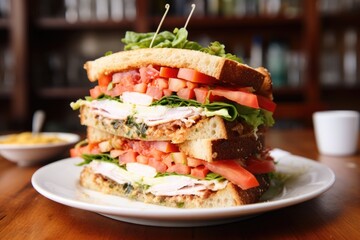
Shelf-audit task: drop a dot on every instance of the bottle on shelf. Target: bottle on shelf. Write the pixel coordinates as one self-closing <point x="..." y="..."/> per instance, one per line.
<point x="5" y="8"/>
<point x="330" y="61"/>
<point x="276" y="63"/>
<point x="256" y="52"/>
<point x="350" y="58"/>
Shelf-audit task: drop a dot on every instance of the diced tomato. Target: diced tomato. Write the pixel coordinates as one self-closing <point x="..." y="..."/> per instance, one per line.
<point x="266" y="104"/>
<point x="158" y="165"/>
<point x="242" y="98"/>
<point x="142" y="159"/>
<point x="165" y="146"/>
<point x="158" y="155"/>
<point x="175" y="84"/>
<point x="199" y="172"/>
<point x="92" y="148"/>
<point x="95" y="92"/>
<point x="147" y="74"/>
<point x="87" y="149"/>
<point x="140" y="87"/>
<point x="179" y="169"/>
<point x="116" y="153"/>
<point x="194" y="162"/>
<point x="191" y="85"/>
<point x="234" y="172"/>
<point x="179" y="157"/>
<point x="129" y="156"/>
<point x="126" y="78"/>
<point x="186" y="93"/>
<point x="104" y="80"/>
<point x="167" y="92"/>
<point x="168" y="72"/>
<point x="259" y="166"/>
<point x="168" y="160"/>
<point x="155" y="92"/>
<point x="195" y="76"/>
<point x="118" y="89"/>
<point x="77" y="151"/>
<point x="201" y="94"/>
<point x="160" y="83"/>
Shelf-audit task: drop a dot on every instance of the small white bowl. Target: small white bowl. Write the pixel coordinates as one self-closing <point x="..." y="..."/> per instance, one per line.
<point x="27" y="155"/>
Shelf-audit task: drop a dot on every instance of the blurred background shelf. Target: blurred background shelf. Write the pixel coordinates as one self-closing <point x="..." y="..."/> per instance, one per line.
<point x="66" y="93"/>
<point x="310" y="47"/>
<point x="209" y="23"/>
<point x="50" y="23"/>
<point x="4" y="23"/>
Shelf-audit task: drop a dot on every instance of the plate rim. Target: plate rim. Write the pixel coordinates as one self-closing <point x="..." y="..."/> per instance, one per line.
<point x="175" y="214"/>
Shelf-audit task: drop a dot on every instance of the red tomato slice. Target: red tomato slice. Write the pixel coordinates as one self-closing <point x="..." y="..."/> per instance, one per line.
<point x="195" y="76"/>
<point x="186" y="93"/>
<point x="104" y="80"/>
<point x="242" y="98"/>
<point x="258" y="166"/>
<point x="234" y="172"/>
<point x="266" y="104"/>
<point x="167" y="72"/>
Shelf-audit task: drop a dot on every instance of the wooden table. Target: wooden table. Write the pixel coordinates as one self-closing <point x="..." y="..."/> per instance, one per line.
<point x="25" y="214"/>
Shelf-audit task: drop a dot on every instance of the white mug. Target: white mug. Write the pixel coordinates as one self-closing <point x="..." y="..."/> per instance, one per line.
<point x="336" y="132"/>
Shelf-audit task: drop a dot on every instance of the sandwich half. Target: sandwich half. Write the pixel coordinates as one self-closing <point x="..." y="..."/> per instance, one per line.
<point x="176" y="127"/>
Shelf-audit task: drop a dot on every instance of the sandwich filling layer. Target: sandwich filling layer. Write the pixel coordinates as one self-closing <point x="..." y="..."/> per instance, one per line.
<point x="137" y="174"/>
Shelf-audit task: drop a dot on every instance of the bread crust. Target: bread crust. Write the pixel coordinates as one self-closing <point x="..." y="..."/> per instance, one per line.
<point x="230" y="196"/>
<point x="227" y="71"/>
<point x="220" y="149"/>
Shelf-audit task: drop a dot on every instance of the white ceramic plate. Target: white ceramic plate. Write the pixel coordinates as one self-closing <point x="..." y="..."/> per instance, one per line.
<point x="27" y="155"/>
<point x="58" y="181"/>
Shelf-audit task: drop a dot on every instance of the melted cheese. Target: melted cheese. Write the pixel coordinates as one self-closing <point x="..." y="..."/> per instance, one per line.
<point x="172" y="185"/>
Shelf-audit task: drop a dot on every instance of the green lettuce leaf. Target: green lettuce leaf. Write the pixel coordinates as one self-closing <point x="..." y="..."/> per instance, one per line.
<point x="252" y="116"/>
<point x="176" y="39"/>
<point x="88" y="158"/>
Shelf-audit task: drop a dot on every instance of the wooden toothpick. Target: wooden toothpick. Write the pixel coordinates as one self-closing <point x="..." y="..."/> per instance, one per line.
<point x="191" y="12"/>
<point x="167" y="7"/>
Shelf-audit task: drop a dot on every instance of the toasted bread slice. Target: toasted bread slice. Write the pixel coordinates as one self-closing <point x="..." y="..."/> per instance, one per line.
<point x="220" y="149"/>
<point x="231" y="195"/>
<point x="177" y="131"/>
<point x="226" y="71"/>
<point x="205" y="149"/>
